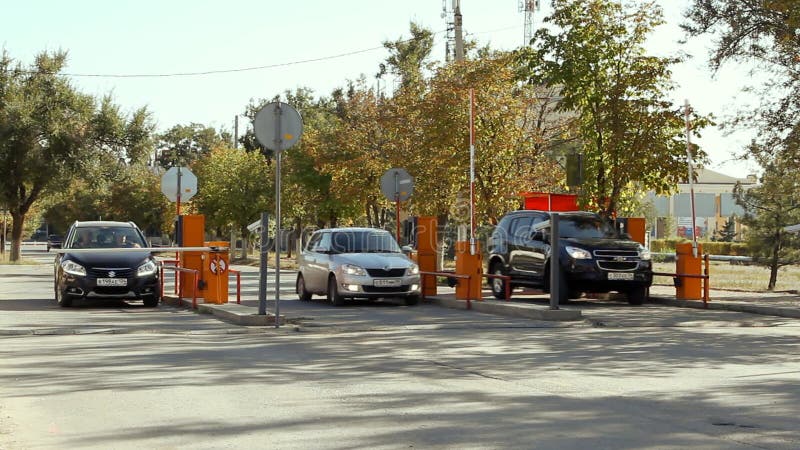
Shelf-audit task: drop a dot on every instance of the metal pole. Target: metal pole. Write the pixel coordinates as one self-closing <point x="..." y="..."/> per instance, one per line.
<point x="555" y="251"/>
<point x="691" y="177"/>
<point x="472" y="243"/>
<point x="179" y="192"/>
<point x="457" y="20"/>
<point x="397" y="205"/>
<point x="263" y="255"/>
<point x="278" y="150"/>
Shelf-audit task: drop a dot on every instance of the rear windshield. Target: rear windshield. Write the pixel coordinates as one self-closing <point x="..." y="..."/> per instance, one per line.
<point x="107" y="237"/>
<point x="363" y="242"/>
<point x="585" y="228"/>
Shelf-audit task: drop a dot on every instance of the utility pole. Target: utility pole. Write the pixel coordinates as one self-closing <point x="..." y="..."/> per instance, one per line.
<point x="459" y="33"/>
<point x="236" y="131"/>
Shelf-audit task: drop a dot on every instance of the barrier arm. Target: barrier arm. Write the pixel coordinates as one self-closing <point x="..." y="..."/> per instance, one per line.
<point x="238" y="285"/>
<point x="195" y="278"/>
<point x="506" y="281"/>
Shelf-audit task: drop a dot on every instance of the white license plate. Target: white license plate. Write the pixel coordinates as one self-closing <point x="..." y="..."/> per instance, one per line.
<point x="387" y="283"/>
<point x="620" y="275"/>
<point x="112" y="281"/>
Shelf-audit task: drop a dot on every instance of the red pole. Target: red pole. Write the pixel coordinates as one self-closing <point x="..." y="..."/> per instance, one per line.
<point x="472" y="170"/>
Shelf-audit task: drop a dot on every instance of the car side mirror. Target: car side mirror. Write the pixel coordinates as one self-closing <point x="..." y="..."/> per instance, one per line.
<point x="407" y="250"/>
<point x="537" y="235"/>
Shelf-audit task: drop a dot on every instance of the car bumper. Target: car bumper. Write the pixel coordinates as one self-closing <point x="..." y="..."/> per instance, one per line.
<point x="585" y="275"/>
<point x="86" y="287"/>
<point x="369" y="287"/>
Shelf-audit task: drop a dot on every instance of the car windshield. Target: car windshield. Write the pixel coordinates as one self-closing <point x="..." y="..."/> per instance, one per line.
<point x="363" y="242"/>
<point x="585" y="228"/>
<point x="107" y="237"/>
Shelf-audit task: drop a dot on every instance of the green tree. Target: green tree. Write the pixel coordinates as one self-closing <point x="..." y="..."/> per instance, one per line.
<point x="769" y="208"/>
<point x="181" y="145"/>
<point x="44" y="128"/>
<point x="631" y="135"/>
<point x="234" y="187"/>
<point x="728" y="231"/>
<point x="408" y="56"/>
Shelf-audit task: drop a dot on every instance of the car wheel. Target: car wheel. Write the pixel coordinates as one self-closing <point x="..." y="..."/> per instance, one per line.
<point x="636" y="295"/>
<point x="62" y="299"/>
<point x="300" y="288"/>
<point x="412" y="300"/>
<point x="334" y="297"/>
<point x="151" y="301"/>
<point x="498" y="285"/>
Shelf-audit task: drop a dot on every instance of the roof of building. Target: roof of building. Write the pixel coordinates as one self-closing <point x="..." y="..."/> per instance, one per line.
<point x="708" y="176"/>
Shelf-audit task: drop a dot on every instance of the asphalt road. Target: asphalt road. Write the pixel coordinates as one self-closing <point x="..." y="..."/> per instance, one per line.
<point x="383" y="375"/>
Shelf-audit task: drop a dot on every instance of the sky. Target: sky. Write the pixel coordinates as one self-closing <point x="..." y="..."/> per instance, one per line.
<point x="302" y="43"/>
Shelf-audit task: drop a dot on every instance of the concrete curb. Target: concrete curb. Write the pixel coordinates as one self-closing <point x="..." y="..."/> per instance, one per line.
<point x="509" y="309"/>
<point x="229" y="312"/>
<point x="727" y="306"/>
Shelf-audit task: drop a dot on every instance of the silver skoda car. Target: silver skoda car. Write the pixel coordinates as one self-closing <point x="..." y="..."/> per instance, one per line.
<point x="345" y="263"/>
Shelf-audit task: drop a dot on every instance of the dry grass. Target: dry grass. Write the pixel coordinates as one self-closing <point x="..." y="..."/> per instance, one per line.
<point x="724" y="275"/>
<point x="4" y="259"/>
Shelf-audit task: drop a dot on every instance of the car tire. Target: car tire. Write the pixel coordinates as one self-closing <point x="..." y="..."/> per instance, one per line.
<point x="412" y="300"/>
<point x="497" y="284"/>
<point x="300" y="288"/>
<point x="637" y="295"/>
<point x="62" y="299"/>
<point x="151" y="301"/>
<point x="334" y="297"/>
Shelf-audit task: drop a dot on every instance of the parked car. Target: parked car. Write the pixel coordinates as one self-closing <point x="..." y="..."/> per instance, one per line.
<point x="54" y="241"/>
<point x="349" y="263"/>
<point x="594" y="257"/>
<point x="105" y="273"/>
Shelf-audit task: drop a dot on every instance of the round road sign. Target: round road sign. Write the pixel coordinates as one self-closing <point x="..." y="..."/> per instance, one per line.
<point x="278" y="126"/>
<point x="397" y="184"/>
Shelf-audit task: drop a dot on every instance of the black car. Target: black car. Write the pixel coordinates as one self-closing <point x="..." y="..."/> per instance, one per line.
<point x="98" y="270"/>
<point x="594" y="257"/>
<point x="54" y="241"/>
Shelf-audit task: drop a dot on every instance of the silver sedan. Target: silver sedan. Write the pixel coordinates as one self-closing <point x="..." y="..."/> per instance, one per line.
<point x="343" y="263"/>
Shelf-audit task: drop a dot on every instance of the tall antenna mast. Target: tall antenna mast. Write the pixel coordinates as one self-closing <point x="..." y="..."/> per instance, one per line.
<point x="450" y="38"/>
<point x="528" y="7"/>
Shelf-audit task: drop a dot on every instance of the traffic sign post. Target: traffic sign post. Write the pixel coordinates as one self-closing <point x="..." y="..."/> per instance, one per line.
<point x="178" y="183"/>
<point x="397" y="185"/>
<point x="278" y="126"/>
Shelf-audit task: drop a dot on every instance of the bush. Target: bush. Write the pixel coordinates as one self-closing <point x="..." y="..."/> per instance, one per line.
<point x="712" y="248"/>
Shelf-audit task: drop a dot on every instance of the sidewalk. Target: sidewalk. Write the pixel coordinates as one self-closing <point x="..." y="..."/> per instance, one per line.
<point x="782" y="304"/>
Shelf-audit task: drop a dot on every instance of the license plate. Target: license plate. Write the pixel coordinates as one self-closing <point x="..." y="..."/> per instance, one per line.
<point x="620" y="275"/>
<point x="112" y="281"/>
<point x="387" y="283"/>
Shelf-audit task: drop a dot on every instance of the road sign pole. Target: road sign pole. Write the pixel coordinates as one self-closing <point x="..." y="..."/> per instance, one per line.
<point x="178" y="202"/>
<point x="278" y="150"/>
<point x="263" y="257"/>
<point x="397" y="204"/>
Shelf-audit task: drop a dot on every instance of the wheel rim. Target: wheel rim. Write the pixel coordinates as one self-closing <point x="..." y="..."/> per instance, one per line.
<point x="497" y="283"/>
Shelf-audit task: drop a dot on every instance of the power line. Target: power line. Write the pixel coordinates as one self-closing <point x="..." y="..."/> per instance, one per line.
<point x="243" y="69"/>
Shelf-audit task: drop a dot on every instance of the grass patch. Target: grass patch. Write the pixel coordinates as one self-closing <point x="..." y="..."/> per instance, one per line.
<point x="5" y="259"/>
<point x="724" y="275"/>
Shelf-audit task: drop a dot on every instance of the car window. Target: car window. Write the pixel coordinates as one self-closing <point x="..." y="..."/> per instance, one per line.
<point x="107" y="237"/>
<point x="324" y="243"/>
<point x="521" y="228"/>
<point x="312" y="243"/>
<point x="363" y="242"/>
<point x="585" y="228"/>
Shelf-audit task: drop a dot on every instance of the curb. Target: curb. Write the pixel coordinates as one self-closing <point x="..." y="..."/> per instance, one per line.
<point x="229" y="312"/>
<point x="508" y="309"/>
<point x="724" y="306"/>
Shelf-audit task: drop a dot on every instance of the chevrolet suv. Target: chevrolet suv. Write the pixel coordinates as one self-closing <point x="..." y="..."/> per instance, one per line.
<point x="594" y="257"/>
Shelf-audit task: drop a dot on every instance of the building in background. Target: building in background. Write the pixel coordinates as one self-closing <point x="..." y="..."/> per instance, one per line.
<point x="714" y="206"/>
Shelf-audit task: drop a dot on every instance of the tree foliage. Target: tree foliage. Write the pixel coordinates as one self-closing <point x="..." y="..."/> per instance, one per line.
<point x="631" y="135"/>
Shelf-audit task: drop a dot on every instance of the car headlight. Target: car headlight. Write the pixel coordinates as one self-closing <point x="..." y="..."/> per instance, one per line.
<point x="578" y="253"/>
<point x="413" y="269"/>
<point x="146" y="269"/>
<point x="73" y="268"/>
<point x="350" y="269"/>
<point x="644" y="253"/>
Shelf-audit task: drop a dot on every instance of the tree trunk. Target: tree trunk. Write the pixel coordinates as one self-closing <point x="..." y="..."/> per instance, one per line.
<point x="774" y="263"/>
<point x="17" y="226"/>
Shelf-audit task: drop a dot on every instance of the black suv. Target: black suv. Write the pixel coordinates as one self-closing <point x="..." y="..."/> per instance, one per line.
<point x="594" y="256"/>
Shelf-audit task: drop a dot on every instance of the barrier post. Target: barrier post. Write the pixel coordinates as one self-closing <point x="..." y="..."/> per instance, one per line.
<point x="472" y="266"/>
<point x="689" y="288"/>
<point x="427" y="247"/>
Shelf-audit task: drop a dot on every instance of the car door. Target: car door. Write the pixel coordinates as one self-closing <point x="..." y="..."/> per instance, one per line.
<point x="539" y="248"/>
<point x="519" y="256"/>
<point x="317" y="260"/>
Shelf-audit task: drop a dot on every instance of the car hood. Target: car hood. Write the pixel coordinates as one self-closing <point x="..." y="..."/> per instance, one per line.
<point x="104" y="259"/>
<point x="606" y="244"/>
<point x="374" y="260"/>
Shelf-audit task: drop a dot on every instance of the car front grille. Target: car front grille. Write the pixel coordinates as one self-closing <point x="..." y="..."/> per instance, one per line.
<point x="617" y="260"/>
<point x="378" y="290"/>
<point x="111" y="290"/>
<point x="103" y="272"/>
<point x="618" y="265"/>
<point x="383" y="273"/>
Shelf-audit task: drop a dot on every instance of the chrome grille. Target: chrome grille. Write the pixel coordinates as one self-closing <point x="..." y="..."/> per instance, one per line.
<point x="102" y="272"/>
<point x="618" y="265"/>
